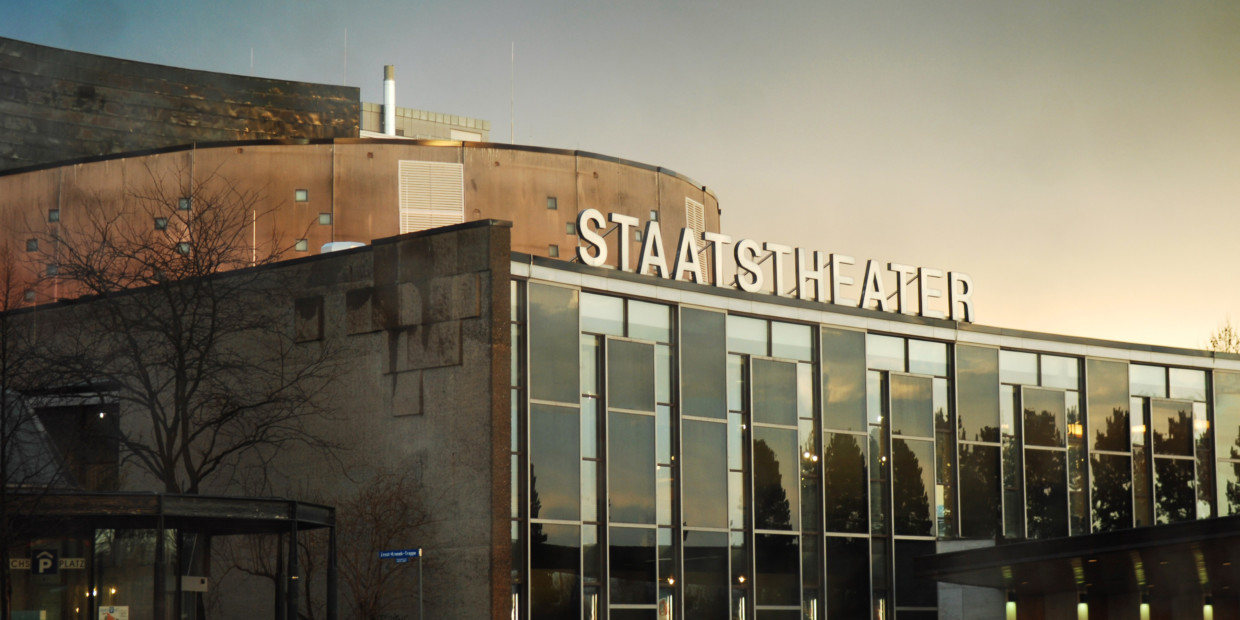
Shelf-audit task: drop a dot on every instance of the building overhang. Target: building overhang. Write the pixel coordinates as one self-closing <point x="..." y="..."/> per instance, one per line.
<point x="1165" y="560"/>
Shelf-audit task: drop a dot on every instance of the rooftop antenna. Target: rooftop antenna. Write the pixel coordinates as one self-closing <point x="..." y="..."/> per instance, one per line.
<point x="512" y="92"/>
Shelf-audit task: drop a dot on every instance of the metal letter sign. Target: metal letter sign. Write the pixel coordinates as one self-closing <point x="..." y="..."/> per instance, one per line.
<point x="44" y="562"/>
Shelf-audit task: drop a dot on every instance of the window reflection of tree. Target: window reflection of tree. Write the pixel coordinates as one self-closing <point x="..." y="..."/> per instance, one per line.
<point x="844" y="470"/>
<point x="772" y="510"/>
<point x="910" y="510"/>
<point x="1046" y="494"/>
<point x="1115" y="436"/>
<point x="979" y="489"/>
<point x="1042" y="428"/>
<point x="1112" y="492"/>
<point x="1179" y="437"/>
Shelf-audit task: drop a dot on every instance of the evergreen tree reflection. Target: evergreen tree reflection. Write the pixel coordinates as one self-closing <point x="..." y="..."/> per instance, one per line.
<point x="1176" y="495"/>
<point x="843" y="469"/>
<point x="1112" y="475"/>
<point x="772" y="510"/>
<point x="910" y="510"/>
<point x="979" y="489"/>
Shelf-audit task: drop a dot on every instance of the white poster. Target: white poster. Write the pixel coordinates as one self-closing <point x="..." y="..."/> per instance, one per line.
<point x="116" y="612"/>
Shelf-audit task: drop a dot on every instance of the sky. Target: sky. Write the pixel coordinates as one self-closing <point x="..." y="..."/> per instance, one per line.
<point x="1080" y="161"/>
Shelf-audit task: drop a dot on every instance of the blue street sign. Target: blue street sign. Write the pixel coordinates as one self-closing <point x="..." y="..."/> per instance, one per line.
<point x="400" y="554"/>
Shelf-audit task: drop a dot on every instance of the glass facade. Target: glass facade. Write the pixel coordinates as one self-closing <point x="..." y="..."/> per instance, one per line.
<point x="684" y="462"/>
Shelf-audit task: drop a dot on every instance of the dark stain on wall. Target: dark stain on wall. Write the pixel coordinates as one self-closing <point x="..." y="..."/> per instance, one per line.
<point x="57" y="105"/>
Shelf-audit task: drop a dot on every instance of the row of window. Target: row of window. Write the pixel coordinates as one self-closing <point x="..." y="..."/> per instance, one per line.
<point x="687" y="458"/>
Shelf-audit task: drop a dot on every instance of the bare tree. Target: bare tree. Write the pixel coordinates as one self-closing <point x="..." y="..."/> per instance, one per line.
<point x="194" y="339"/>
<point x="29" y="463"/>
<point x="1225" y="339"/>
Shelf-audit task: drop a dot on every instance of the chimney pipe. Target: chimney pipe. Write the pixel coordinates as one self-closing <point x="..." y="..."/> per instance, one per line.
<point x="389" y="100"/>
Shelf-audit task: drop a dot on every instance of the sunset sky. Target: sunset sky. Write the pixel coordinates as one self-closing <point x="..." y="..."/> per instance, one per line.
<point x="1081" y="161"/>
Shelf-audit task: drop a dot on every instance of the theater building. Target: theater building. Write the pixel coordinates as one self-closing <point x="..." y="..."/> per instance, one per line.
<point x="620" y="412"/>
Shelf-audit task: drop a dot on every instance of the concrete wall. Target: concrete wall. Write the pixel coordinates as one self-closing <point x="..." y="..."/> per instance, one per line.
<point x="57" y="105"/>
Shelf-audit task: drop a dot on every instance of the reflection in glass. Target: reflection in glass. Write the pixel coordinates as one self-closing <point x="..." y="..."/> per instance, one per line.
<point x="630" y="375"/>
<point x="775" y="479"/>
<point x="649" y="321"/>
<point x="944" y="475"/>
<point x="1107" y="401"/>
<point x="912" y="478"/>
<point x="553" y="343"/>
<point x="791" y="341"/>
<point x="1175" y="490"/>
<point x="1142" y="508"/>
<point x="848" y="583"/>
<point x="774" y="392"/>
<point x="631" y="560"/>
<point x="912" y="406"/>
<point x="1017" y="367"/>
<point x="977" y="393"/>
<point x="843" y="379"/>
<point x="1187" y="384"/>
<point x="663" y="373"/>
<point x="843" y="472"/>
<point x="589" y="490"/>
<point x="601" y="314"/>
<point x="1046" y="494"/>
<point x="1205" y="462"/>
<point x="911" y="590"/>
<point x="663" y="432"/>
<point x="554" y="463"/>
<point x="736" y="499"/>
<point x="1060" y="372"/>
<point x="1111" y="483"/>
<point x="631" y="468"/>
<point x="1044" y="417"/>
<point x="884" y="352"/>
<point x="777" y="558"/>
<point x="811" y="494"/>
<point x="589" y="364"/>
<point x="1171" y="424"/>
<point x="746" y="335"/>
<point x="736" y="383"/>
<point x="703" y="363"/>
<point x="705" y="574"/>
<point x="555" y="575"/>
<point x="589" y="427"/>
<point x="1229" y="488"/>
<point x="805" y="390"/>
<point x="927" y="358"/>
<point x="592" y="567"/>
<point x="1147" y="381"/>
<point x="979" y="491"/>
<point x="664" y="484"/>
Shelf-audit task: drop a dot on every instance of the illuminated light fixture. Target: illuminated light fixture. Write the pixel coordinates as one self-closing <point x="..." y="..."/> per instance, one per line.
<point x="671" y="581"/>
<point x="1138" y="429"/>
<point x="1010" y="612"/>
<point x="101" y="414"/>
<point x="1076" y="430"/>
<point x="740" y="579"/>
<point x="1207" y="608"/>
<point x="1082" y="607"/>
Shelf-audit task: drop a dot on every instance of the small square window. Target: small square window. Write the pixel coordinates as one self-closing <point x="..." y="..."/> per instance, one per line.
<point x="637" y="235"/>
<point x="552" y="204"/>
<point x="161" y="223"/>
<point x="32" y="245"/>
<point x="325" y="219"/>
<point x="654" y="215"/>
<point x="302" y="195"/>
<point x="183" y="203"/>
<point x="570" y="228"/>
<point x="52" y="269"/>
<point x="302" y="245"/>
<point x="553" y="251"/>
<point x="53" y="215"/>
<point x="183" y="248"/>
<point x="29" y="295"/>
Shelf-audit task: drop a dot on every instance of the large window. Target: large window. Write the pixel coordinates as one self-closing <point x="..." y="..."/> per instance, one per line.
<point x="1173" y="452"/>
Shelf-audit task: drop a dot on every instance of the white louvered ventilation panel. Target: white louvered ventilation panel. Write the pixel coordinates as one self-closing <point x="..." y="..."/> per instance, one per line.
<point x="432" y="194"/>
<point x="695" y="218"/>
